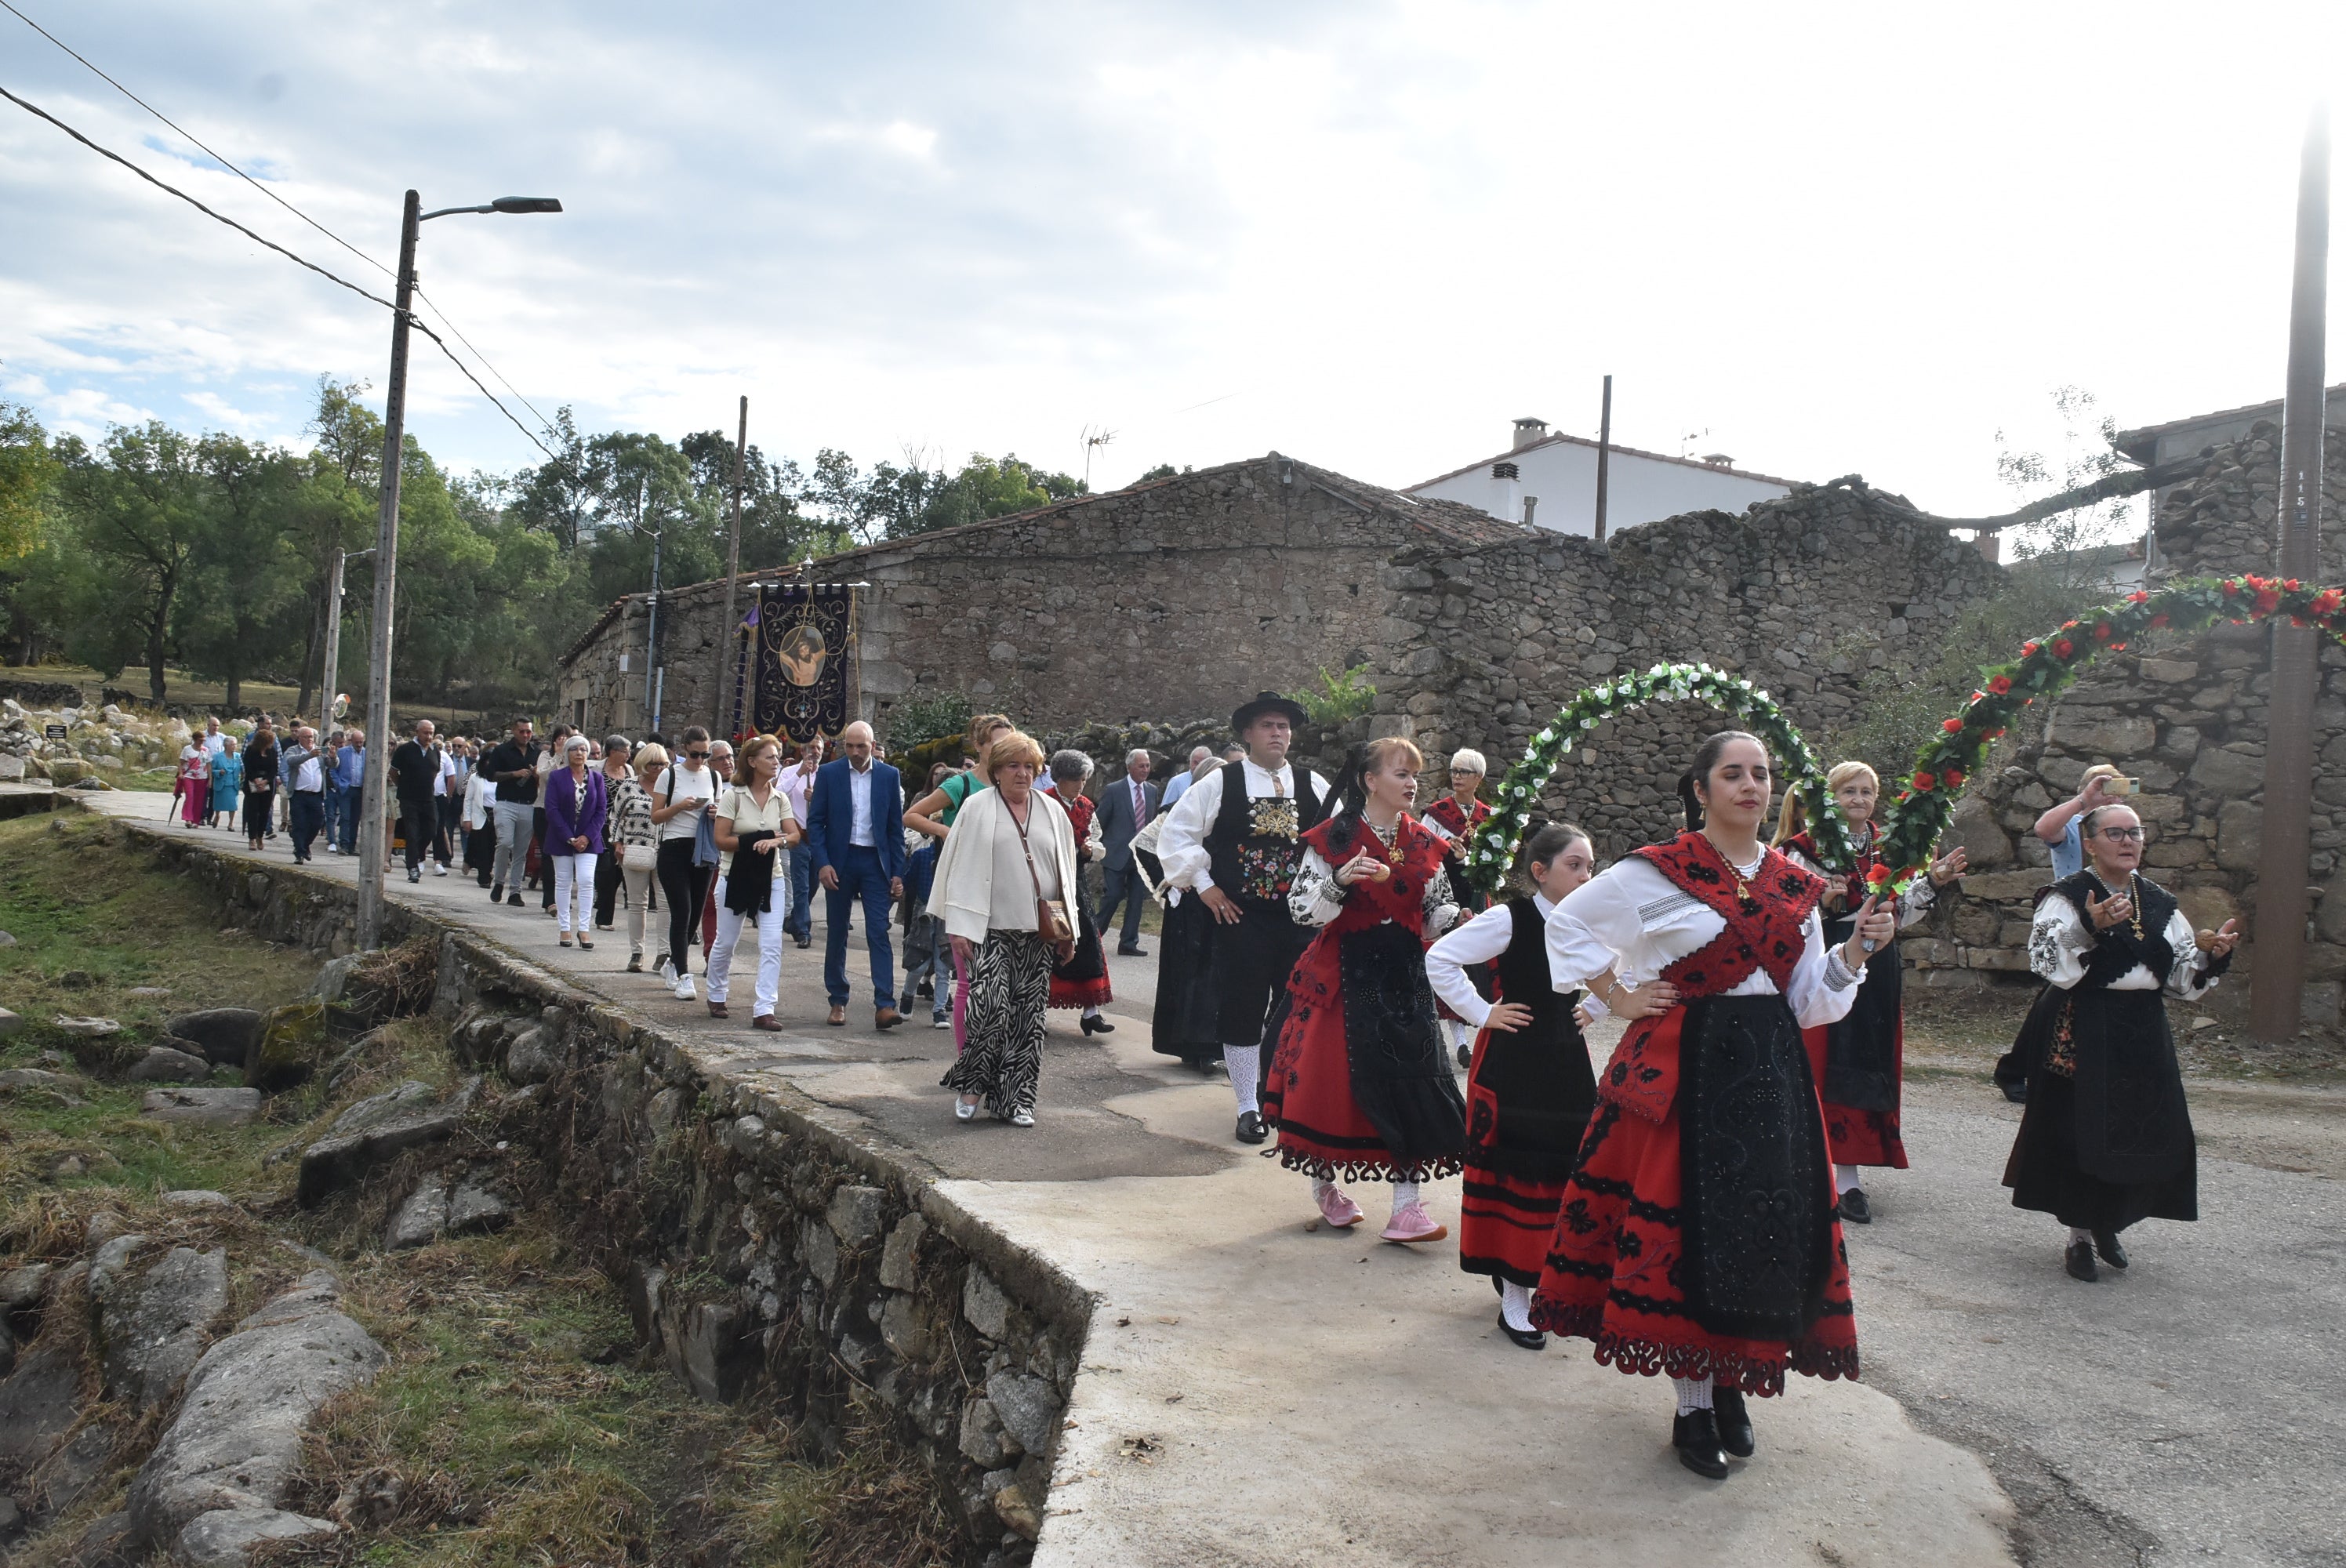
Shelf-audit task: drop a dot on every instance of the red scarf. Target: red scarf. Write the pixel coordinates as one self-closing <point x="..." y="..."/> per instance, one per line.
<point x="1763" y="921"/>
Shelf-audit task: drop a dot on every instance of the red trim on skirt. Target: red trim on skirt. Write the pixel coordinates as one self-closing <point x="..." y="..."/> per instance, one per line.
<point x="1855" y="1137"/>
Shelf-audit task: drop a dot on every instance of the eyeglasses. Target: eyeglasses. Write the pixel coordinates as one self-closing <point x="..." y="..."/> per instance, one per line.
<point x="698" y="756"/>
<point x="2122" y="835"/>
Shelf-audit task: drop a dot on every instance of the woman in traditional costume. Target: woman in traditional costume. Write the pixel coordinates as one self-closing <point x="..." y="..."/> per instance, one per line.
<point x="1454" y="817"/>
<point x="1360" y="1086"/>
<point x="1860" y="1063"/>
<point x="1530" y="1090"/>
<point x="1082" y="980"/>
<point x="1695" y="1239"/>
<point x="2106" y="1139"/>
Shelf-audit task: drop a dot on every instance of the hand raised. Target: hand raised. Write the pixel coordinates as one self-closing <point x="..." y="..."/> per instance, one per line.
<point x="2107" y="913"/>
<point x="2220" y="943"/>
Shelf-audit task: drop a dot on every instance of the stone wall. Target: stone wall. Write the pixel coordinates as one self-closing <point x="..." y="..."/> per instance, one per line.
<point x="1801" y="594"/>
<point x="1186" y="594"/>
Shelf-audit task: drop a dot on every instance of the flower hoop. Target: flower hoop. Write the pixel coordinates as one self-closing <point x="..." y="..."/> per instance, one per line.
<point x="1491" y="852"/>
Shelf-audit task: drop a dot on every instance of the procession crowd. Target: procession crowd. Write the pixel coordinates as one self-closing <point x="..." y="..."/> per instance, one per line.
<point x="1322" y="942"/>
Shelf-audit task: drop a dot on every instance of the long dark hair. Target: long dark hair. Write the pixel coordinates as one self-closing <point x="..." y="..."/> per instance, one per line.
<point x="1706" y="758"/>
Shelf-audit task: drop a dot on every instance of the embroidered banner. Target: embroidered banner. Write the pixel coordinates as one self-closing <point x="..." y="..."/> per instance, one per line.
<point x="805" y="643"/>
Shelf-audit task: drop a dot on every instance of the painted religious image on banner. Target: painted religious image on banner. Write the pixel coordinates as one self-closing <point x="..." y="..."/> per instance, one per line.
<point x="804" y="642"/>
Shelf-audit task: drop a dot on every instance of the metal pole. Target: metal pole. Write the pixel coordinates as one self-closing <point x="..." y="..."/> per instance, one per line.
<point x="332" y="671"/>
<point x="1604" y="456"/>
<point x="2277" y="986"/>
<point x="386" y="575"/>
<point x="724" y="639"/>
<point x="651" y="633"/>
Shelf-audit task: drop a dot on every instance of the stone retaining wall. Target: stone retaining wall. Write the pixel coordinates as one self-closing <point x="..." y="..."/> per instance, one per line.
<point x="768" y="1251"/>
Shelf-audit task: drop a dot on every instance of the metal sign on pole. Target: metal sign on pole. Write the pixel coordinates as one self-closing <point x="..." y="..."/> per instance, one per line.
<point x="1604" y="454"/>
<point x="2277" y="984"/>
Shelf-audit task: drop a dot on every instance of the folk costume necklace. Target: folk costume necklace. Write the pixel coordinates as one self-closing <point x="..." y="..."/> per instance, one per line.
<point x="2133" y="900"/>
<point x="1742" y="874"/>
<point x="1388" y="839"/>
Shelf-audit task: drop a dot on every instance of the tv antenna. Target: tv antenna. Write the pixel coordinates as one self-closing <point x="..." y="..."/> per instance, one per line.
<point x="1686" y="442"/>
<point x="1095" y="437"/>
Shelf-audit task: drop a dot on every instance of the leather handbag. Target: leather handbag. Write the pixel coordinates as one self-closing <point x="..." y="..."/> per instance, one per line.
<point x="1050" y="921"/>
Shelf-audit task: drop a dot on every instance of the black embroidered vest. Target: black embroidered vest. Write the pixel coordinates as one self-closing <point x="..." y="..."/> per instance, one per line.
<point x="1526" y="980"/>
<point x="1255" y="846"/>
<point x="2119" y="949"/>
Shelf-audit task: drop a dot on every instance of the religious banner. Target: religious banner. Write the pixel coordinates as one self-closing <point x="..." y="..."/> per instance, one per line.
<point x="805" y="640"/>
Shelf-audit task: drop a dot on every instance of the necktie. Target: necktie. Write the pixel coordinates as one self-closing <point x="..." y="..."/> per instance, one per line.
<point x="1139" y="806"/>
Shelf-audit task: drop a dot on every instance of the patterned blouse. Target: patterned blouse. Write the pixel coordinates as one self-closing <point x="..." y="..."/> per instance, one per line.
<point x="631" y="814"/>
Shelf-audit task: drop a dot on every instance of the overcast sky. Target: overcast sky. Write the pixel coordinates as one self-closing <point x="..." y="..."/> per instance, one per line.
<point x="1829" y="240"/>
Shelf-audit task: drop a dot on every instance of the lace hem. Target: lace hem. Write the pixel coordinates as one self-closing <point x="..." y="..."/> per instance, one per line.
<point x="1374" y="1167"/>
<point x="1762" y="1378"/>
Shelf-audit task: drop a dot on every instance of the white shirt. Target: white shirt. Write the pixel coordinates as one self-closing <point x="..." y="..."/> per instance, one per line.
<point x="447" y="772"/>
<point x="1181" y="842"/>
<point x="1632" y="920"/>
<point x="1480" y="941"/>
<point x="859" y="806"/>
<point x="310" y="775"/>
<point x="687" y="784"/>
<point x="797" y="784"/>
<point x="215" y="742"/>
<point x="2060" y="948"/>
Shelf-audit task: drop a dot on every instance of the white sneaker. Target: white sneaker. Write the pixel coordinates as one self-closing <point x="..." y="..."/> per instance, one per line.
<point x="438" y="869"/>
<point x="684" y="988"/>
<point x="665" y="970"/>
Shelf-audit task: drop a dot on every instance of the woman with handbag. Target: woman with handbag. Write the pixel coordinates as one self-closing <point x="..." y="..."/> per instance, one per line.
<point x="1002" y="887"/>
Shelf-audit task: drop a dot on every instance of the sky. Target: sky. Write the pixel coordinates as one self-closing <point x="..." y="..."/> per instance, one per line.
<point x="1823" y="239"/>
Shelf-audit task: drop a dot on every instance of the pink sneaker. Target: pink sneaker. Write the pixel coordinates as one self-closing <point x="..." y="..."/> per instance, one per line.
<point x="1338" y="1210"/>
<point x="1411" y="1223"/>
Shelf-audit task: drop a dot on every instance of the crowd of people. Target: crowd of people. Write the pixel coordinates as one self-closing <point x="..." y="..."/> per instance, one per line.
<point x="1320" y="942"/>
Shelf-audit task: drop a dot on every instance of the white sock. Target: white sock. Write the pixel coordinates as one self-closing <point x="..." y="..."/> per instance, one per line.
<point x="1245" y="1062"/>
<point x="1404" y="1194"/>
<point x="1515" y="1306"/>
<point x="2078" y="1233"/>
<point x="1845" y="1179"/>
<point x="1320" y="1189"/>
<point x="1091" y="1012"/>
<point x="1694" y="1394"/>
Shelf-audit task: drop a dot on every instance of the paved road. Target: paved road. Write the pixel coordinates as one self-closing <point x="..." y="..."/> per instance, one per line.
<point x="2186" y="1411"/>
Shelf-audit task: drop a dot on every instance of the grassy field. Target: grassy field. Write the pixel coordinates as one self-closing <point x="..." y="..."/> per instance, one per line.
<point x="517" y="1423"/>
<point x="180" y="687"/>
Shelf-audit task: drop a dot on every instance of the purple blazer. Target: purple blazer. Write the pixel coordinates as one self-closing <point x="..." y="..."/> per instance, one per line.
<point x="565" y="821"/>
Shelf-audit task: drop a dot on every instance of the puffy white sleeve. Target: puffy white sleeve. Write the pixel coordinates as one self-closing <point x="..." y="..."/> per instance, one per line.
<point x="1315" y="897"/>
<point x="1823" y="988"/>
<point x="1440" y="905"/>
<point x="1596" y="926"/>
<point x="1181" y="842"/>
<point x="2189" y="979"/>
<point x="1479" y="940"/>
<point x="2059" y="945"/>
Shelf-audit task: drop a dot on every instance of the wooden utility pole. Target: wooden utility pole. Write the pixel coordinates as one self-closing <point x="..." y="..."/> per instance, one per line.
<point x="726" y="639"/>
<point x="372" y="845"/>
<point x="1603" y="455"/>
<point x="2277" y="988"/>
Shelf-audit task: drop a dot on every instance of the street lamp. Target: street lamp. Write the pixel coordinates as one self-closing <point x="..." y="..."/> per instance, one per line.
<point x="386" y="548"/>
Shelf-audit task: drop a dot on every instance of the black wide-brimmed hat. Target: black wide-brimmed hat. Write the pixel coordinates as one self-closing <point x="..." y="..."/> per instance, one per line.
<point x="1267" y="702"/>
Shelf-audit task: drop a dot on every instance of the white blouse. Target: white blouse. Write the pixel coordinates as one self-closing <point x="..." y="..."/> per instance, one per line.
<point x="1317" y="898"/>
<point x="1480" y="941"/>
<point x="1181" y="842"/>
<point x="2060" y="947"/>
<point x="1633" y="920"/>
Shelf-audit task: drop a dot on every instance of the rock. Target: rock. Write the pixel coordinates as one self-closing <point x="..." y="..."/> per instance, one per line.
<point x="382" y="1108"/>
<point x="76" y="1465"/>
<point x="534" y="1056"/>
<point x="854" y="1213"/>
<point x="12" y="1521"/>
<point x="1028" y="1408"/>
<point x="2228" y="775"/>
<point x="2239" y="835"/>
<point x="981" y="1434"/>
<point x="65" y="770"/>
<point x="236" y="1444"/>
<point x="421" y="1217"/>
<point x="476" y="1211"/>
<point x="984" y="1305"/>
<point x="23" y="1287"/>
<point x="151" y="1332"/>
<point x="718" y="1350"/>
<point x="332" y="978"/>
<point x="288" y="1047"/>
<point x="38" y="1403"/>
<point x="9" y="1022"/>
<point x="198" y="1197"/>
<point x="162" y="1065"/>
<point x="1018" y="1512"/>
<point x="106" y="1543"/>
<point x="12" y="768"/>
<point x="1974" y="828"/>
<point x="225" y="1537"/>
<point x="88" y="1028"/>
<point x="224" y="1036"/>
<point x="900" y="1259"/>
<point x="904" y="1329"/>
<point x="148" y="992"/>
<point x="203" y="1107"/>
<point x="33" y="1078"/>
<point x="345" y="1155"/>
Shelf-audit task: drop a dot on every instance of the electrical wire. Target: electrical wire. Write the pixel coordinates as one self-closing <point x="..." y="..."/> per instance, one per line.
<point x="298" y="260"/>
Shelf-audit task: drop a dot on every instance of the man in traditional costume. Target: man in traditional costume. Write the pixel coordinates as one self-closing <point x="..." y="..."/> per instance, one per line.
<point x="1230" y="850"/>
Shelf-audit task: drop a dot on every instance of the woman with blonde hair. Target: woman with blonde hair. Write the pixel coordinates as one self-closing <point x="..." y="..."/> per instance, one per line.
<point x="1004" y="887"/>
<point x="934" y="814"/>
<point x="754" y="824"/>
<point x="1859" y="1060"/>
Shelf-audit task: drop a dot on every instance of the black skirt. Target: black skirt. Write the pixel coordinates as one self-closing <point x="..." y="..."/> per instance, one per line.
<point x="2107" y="1141"/>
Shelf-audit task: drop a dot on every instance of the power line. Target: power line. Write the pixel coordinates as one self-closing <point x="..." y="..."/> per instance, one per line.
<point x="223" y="161"/>
<point x="290" y="256"/>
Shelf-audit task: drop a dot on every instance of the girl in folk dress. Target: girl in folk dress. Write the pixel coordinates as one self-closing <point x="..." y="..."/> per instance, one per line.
<point x="1530" y="1091"/>
<point x="1082" y="980"/>
<point x="1860" y="1063"/>
<point x="1454" y="817"/>
<point x="1696" y="1239"/>
<point x="1360" y="1086"/>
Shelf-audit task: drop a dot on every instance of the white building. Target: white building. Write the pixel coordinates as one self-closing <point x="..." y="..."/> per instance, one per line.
<point x="1550" y="481"/>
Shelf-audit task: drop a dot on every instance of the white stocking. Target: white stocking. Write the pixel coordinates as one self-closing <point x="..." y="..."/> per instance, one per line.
<point x="2079" y="1234"/>
<point x="1404" y="1194"/>
<point x="1515" y="1306"/>
<point x="1845" y="1179"/>
<point x="1694" y="1394"/>
<point x="1245" y="1062"/>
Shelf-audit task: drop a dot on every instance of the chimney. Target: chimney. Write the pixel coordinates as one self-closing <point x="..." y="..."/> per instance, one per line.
<point x="1528" y="431"/>
<point x="1507" y="492"/>
<point x="1719" y="460"/>
<point x="1531" y="505"/>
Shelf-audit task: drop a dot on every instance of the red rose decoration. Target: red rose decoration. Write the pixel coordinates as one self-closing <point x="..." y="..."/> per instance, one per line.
<point x="2157" y="622"/>
<point x="2101" y="631"/>
<point x="2063" y="647"/>
<point x="2231" y="588"/>
<point x="2000" y="684"/>
<point x="2068" y="626"/>
<point x="2291" y="584"/>
<point x="1951" y="778"/>
<point x="1951" y="726"/>
<point x="2028" y="650"/>
<point x="2266" y="601"/>
<point x="2328" y="601"/>
<point x="2137" y="597"/>
<point x="1877" y="875"/>
<point x="1926" y="780"/>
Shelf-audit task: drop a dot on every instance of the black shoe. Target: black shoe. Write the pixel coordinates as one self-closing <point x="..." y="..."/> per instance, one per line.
<point x="927" y="993"/>
<point x="806" y="941"/>
<point x="2105" y="1242"/>
<point x="1097" y="1025"/>
<point x="497" y="894"/>
<point x="1734" y="1421"/>
<point x="2016" y="1093"/>
<point x="1529" y="1338"/>
<point x="1250" y="1129"/>
<point x="414" y="875"/>
<point x="1466" y="1056"/>
<point x="1695" y="1436"/>
<point x="1854" y="1209"/>
<point x="2080" y="1260"/>
<point x="514" y="898"/>
<point x="1131" y="951"/>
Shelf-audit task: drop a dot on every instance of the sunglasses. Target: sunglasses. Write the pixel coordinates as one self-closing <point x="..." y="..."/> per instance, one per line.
<point x="698" y="756"/>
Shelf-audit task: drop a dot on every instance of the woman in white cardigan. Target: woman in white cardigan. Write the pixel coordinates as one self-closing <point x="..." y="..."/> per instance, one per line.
<point x="1010" y="846"/>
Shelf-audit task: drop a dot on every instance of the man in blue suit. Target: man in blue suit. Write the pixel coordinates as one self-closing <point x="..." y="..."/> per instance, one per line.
<point x="855" y="820"/>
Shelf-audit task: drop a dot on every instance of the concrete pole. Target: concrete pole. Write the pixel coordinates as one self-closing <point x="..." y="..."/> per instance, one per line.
<point x="371" y="794"/>
<point x="1604" y="456"/>
<point x="720" y="720"/>
<point x="332" y="669"/>
<point x="2277" y="988"/>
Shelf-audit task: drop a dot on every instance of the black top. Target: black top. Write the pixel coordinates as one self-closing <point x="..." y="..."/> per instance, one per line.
<point x="414" y="767"/>
<point x="1255" y="846"/>
<point x="510" y="756"/>
<point x="2117" y="949"/>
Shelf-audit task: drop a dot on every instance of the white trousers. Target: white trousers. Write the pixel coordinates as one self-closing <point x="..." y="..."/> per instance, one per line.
<point x="769" y="947"/>
<point x="574" y="881"/>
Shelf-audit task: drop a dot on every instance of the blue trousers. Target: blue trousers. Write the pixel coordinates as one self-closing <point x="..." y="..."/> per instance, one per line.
<point x="309" y="817"/>
<point x="859" y="878"/>
<point x="350" y="822"/>
<point x="330" y="802"/>
<point x="800" y="922"/>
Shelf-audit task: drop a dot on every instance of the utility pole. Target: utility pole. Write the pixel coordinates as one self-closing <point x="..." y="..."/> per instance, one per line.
<point x="386" y="575"/>
<point x="332" y="668"/>
<point x="1604" y="456"/>
<point x="651" y="612"/>
<point x="2277" y="984"/>
<point x="720" y="723"/>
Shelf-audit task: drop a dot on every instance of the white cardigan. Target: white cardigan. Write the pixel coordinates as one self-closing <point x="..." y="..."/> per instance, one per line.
<point x="982" y="882"/>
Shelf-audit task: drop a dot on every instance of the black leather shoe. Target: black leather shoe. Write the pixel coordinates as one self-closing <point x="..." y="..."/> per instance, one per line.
<point x="1466" y="1056"/>
<point x="1854" y="1209"/>
<point x="1250" y="1129"/>
<point x="2017" y="1093"/>
<point x="1097" y="1025"/>
<point x="514" y="899"/>
<point x="2079" y="1259"/>
<point x="1529" y="1338"/>
<point x="1734" y="1421"/>
<point x="2105" y="1242"/>
<point x="1132" y="952"/>
<point x="1695" y="1436"/>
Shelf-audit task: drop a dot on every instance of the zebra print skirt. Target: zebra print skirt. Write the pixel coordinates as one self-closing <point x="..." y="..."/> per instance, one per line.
<point x="1009" y="985"/>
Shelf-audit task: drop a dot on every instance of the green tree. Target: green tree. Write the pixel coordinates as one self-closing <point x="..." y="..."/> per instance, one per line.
<point x="140" y="507"/>
<point x="28" y="480"/>
<point x="241" y="610"/>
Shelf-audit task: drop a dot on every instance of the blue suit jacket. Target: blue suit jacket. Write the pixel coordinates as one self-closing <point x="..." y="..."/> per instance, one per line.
<point x="831" y="813"/>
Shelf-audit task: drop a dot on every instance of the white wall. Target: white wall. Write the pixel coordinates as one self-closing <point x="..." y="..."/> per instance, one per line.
<point x="1640" y="487"/>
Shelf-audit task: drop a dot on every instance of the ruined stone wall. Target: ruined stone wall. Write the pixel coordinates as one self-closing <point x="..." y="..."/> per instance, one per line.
<point x="1802" y="596"/>
<point x="2187" y="716"/>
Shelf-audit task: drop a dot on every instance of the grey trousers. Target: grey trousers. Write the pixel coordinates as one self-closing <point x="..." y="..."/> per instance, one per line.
<point x="513" y="820"/>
